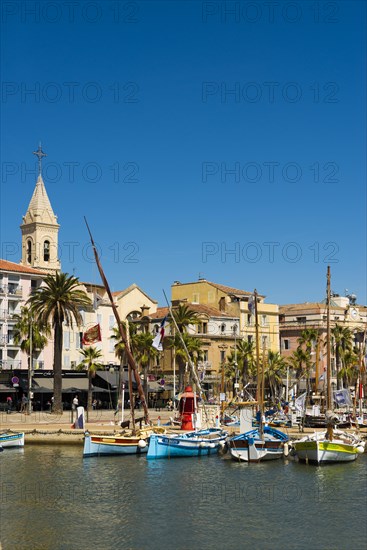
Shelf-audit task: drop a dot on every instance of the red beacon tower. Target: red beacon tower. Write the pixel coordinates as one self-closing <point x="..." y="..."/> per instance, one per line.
<point x="188" y="409"/>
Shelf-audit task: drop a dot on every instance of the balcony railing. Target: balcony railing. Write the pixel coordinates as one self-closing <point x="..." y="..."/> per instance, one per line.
<point x="9" y="364"/>
<point x="4" y="314"/>
<point x="204" y="364"/>
<point x="15" y="291"/>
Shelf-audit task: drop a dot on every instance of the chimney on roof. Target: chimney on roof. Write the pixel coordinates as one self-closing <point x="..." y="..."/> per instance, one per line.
<point x="176" y="283"/>
<point x="222" y="304"/>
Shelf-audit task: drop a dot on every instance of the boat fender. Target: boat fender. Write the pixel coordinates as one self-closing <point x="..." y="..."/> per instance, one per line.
<point x="202" y="444"/>
<point x="360" y="449"/>
<point x="211" y="445"/>
<point x="142" y="444"/>
<point x="286" y="449"/>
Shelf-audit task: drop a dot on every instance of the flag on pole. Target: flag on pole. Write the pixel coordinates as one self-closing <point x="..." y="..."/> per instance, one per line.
<point x="158" y="340"/>
<point x="92" y="335"/>
<point x="251" y="304"/>
<point x="300" y="402"/>
<point x="342" y="398"/>
<point x="322" y="376"/>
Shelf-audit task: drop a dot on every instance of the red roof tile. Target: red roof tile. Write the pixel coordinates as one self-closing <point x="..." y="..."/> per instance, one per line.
<point x="11" y="266"/>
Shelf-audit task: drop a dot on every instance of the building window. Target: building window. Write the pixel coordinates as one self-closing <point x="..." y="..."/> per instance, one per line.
<point x="67" y="361"/>
<point x="223" y="327"/>
<point x="205" y="328"/>
<point x="222" y="356"/>
<point x="301" y="319"/>
<point x="205" y="355"/>
<point x="264" y="320"/>
<point x="111" y="345"/>
<point x="46" y="251"/>
<point x="286" y="344"/>
<point x="249" y="338"/>
<point x="111" y="323"/>
<point x="67" y="340"/>
<point x="195" y="298"/>
<point x="29" y="251"/>
<point x="264" y="341"/>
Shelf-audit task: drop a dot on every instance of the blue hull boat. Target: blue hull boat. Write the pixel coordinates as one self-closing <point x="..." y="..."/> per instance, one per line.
<point x="200" y="443"/>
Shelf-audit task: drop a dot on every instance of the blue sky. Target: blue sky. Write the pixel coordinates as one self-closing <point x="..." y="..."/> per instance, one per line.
<point x="225" y="139"/>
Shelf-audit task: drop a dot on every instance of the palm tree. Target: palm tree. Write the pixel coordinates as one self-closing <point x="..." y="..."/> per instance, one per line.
<point x="184" y="316"/>
<point x="349" y="370"/>
<point x="309" y="339"/>
<point x="342" y="342"/>
<point x="193" y="346"/>
<point x="144" y="352"/>
<point x="274" y="371"/>
<point x="141" y="347"/>
<point x="300" y="363"/>
<point x="91" y="364"/>
<point x="57" y="302"/>
<point x="246" y="360"/>
<point x="25" y="327"/>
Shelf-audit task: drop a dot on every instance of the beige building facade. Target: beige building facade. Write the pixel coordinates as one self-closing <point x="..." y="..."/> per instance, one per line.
<point x="235" y="303"/>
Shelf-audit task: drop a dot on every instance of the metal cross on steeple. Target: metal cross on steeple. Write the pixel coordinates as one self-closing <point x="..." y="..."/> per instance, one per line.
<point x="39" y="153"/>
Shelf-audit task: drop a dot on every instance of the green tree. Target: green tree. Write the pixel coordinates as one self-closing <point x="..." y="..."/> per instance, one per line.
<point x="25" y="327"/>
<point x="300" y="363"/>
<point x="342" y="342"/>
<point x="91" y="364"/>
<point x="275" y="369"/>
<point x="57" y="302"/>
<point x="350" y="368"/>
<point x="184" y="317"/>
<point x="246" y="360"/>
<point x="144" y="352"/>
<point x="308" y="341"/>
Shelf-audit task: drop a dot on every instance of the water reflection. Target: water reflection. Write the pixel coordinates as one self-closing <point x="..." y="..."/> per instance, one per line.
<point x="52" y="498"/>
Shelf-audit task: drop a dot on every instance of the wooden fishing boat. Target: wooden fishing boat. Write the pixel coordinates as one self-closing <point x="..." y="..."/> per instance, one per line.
<point x="196" y="443"/>
<point x="331" y="445"/>
<point x="252" y="446"/>
<point x="319" y="448"/>
<point x="263" y="442"/>
<point x="97" y="445"/>
<point x="136" y="442"/>
<point x="12" y="439"/>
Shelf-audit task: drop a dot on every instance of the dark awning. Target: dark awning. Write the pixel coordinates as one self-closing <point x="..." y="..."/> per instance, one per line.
<point x="6" y="389"/>
<point x="69" y="385"/>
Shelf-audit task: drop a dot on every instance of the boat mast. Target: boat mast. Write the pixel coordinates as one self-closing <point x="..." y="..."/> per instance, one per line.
<point x="129" y="356"/>
<point x="259" y="378"/>
<point x="328" y="359"/>
<point x="193" y="371"/>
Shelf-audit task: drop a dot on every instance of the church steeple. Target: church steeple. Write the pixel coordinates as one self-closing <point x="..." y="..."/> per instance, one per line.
<point x="40" y="228"/>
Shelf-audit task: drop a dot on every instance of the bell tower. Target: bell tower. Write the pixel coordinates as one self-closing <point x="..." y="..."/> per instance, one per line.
<point x="40" y="228"/>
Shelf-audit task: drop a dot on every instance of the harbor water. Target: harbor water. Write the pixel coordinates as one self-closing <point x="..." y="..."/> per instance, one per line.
<point x="52" y="498"/>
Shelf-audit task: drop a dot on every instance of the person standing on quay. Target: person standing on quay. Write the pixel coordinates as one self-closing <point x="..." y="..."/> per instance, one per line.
<point x="9" y="402"/>
<point x="74" y="406"/>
